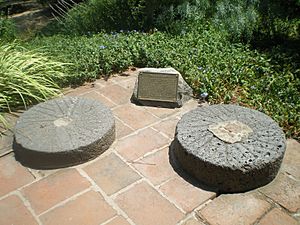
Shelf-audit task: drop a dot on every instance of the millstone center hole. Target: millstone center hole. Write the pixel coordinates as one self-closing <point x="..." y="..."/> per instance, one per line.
<point x="62" y="122"/>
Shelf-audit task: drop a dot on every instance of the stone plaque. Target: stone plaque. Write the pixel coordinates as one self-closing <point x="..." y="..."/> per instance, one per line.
<point x="230" y="131"/>
<point x="157" y="86"/>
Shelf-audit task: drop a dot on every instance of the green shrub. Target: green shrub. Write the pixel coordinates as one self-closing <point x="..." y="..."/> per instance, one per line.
<point x="7" y="29"/>
<point x="229" y="73"/>
<point x="239" y="20"/>
<point x="26" y="77"/>
<point x="94" y="16"/>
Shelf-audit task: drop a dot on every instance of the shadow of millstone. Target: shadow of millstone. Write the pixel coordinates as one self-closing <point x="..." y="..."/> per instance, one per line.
<point x="7" y="134"/>
<point x="187" y="177"/>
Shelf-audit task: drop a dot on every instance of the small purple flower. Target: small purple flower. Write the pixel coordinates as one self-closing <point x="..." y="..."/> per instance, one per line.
<point x="204" y="95"/>
<point x="253" y="87"/>
<point x="102" y="47"/>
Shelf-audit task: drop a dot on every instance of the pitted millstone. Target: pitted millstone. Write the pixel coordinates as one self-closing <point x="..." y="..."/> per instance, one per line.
<point x="63" y="132"/>
<point x="229" y="167"/>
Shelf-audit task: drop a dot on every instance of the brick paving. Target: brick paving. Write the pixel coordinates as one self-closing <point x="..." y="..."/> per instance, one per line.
<point x="135" y="181"/>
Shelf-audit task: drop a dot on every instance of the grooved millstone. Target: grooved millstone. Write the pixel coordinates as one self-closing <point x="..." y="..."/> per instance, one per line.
<point x="63" y="132"/>
<point x="236" y="167"/>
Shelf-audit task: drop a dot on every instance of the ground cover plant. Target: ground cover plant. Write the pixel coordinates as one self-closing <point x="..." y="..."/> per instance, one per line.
<point x="228" y="73"/>
<point x="228" y="51"/>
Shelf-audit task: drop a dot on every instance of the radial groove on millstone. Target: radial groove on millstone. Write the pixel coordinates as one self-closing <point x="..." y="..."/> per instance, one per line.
<point x="63" y="132"/>
<point x="230" y="167"/>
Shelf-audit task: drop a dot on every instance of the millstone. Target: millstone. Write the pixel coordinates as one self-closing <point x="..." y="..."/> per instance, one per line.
<point x="228" y="147"/>
<point x="63" y="132"/>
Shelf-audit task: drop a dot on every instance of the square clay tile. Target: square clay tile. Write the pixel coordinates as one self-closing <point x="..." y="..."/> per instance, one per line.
<point x="53" y="189"/>
<point x="245" y="208"/>
<point x="134" y="116"/>
<point x="156" y="167"/>
<point x="291" y="160"/>
<point x="118" y="221"/>
<point x="128" y="83"/>
<point x="285" y="191"/>
<point x="188" y="106"/>
<point x="277" y="217"/>
<point x="161" y="112"/>
<point x="6" y="141"/>
<point x="185" y="195"/>
<point x="116" y="93"/>
<point x="111" y="174"/>
<point x="12" y="175"/>
<point x="87" y="209"/>
<point x="97" y="96"/>
<point x="145" y="206"/>
<point x="137" y="145"/>
<point x="13" y="211"/>
<point x="75" y="92"/>
<point x="122" y="129"/>
<point x="167" y="126"/>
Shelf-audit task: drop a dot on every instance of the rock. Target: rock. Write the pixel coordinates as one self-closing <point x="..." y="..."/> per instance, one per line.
<point x="230" y="131"/>
<point x="244" y="164"/>
<point x="63" y="132"/>
<point x="184" y="91"/>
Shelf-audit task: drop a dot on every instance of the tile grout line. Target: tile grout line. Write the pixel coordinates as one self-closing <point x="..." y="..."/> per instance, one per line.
<point x="203" y="204"/>
<point x="191" y="215"/>
<point x="7" y="152"/>
<point x="164" y="182"/>
<point x="136" y="131"/>
<point x="148" y="181"/>
<point x="274" y="205"/>
<point x="124" y="124"/>
<point x="29" y="207"/>
<point x="108" y="221"/>
<point x="121" y="121"/>
<point x="37" y="179"/>
<point x="200" y="217"/>
<point x="98" y="91"/>
<point x="72" y="198"/>
<point x="14" y="192"/>
<point x="160" y="132"/>
<point x="176" y="114"/>
<point x="258" y="219"/>
<point x="128" y="187"/>
<point x="147" y="154"/>
<point x="166" y="197"/>
<point x="107" y="199"/>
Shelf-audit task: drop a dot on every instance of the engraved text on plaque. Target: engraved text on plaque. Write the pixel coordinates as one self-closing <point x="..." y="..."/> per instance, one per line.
<point x="157" y="87"/>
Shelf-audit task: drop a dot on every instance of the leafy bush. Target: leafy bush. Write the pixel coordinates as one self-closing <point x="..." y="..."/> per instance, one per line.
<point x="229" y="73"/>
<point x="26" y="77"/>
<point x="93" y="16"/>
<point x="240" y="20"/>
<point x="7" y="29"/>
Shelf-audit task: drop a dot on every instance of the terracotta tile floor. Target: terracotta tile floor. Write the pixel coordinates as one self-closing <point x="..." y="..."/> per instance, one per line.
<point x="133" y="182"/>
